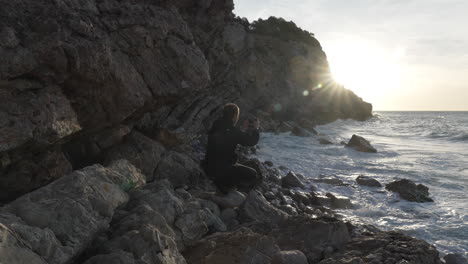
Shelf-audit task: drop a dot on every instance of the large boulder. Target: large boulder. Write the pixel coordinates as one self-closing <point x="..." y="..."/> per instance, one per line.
<point x="60" y="220"/>
<point x="14" y="250"/>
<point x="240" y="246"/>
<point x="455" y="259"/>
<point x="313" y="237"/>
<point x="408" y="190"/>
<point x="230" y="200"/>
<point x="257" y="208"/>
<point x="179" y="169"/>
<point x="367" y="181"/>
<point x="289" y="257"/>
<point x="360" y="144"/>
<point x="141" y="235"/>
<point x="141" y="151"/>
<point x="291" y="180"/>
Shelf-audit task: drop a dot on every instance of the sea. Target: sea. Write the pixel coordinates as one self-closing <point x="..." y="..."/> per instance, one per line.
<point x="426" y="147"/>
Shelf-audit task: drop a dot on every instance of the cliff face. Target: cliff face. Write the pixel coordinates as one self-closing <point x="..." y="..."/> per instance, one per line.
<point x="78" y="75"/>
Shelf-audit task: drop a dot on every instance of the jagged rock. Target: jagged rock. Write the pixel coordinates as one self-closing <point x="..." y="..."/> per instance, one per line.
<point x="331" y="181"/>
<point x="455" y="259"/>
<point x="408" y="190"/>
<point x="300" y="132"/>
<point x="141" y="151"/>
<point x="352" y="260"/>
<point x="291" y="180"/>
<point x="18" y="177"/>
<point x="386" y="247"/>
<point x="30" y="111"/>
<point x="257" y="208"/>
<point x="179" y="169"/>
<point x="289" y="257"/>
<point x="15" y="250"/>
<point x="307" y="124"/>
<point x="60" y="220"/>
<point x="325" y="141"/>
<point x="367" y="181"/>
<point x="240" y="246"/>
<point x="311" y="236"/>
<point x="288" y="209"/>
<point x="142" y="235"/>
<point x="284" y="127"/>
<point x="231" y="200"/>
<point x="360" y="144"/>
<point x="339" y="202"/>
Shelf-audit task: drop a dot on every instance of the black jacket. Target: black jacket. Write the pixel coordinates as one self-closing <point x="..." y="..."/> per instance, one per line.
<point x="223" y="139"/>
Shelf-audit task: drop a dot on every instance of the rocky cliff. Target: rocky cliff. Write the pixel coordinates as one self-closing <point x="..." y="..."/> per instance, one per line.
<point x="77" y="76"/>
<point x="103" y="107"/>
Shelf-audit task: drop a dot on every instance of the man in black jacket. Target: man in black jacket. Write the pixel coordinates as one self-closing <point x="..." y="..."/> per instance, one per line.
<point x="221" y="159"/>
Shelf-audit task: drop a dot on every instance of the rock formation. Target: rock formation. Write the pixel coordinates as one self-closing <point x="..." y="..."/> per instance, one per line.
<point x="103" y="107"/>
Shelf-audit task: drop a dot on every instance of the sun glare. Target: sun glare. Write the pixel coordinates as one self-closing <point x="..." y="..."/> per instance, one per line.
<point x="367" y="70"/>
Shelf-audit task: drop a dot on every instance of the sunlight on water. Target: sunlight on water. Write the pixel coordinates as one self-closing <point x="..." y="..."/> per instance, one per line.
<point x="427" y="147"/>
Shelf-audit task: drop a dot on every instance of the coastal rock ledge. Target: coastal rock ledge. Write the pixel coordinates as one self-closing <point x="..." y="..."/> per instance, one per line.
<point x="104" y="109"/>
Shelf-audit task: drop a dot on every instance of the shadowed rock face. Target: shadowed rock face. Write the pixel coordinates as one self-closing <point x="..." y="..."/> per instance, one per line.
<point x="164" y="67"/>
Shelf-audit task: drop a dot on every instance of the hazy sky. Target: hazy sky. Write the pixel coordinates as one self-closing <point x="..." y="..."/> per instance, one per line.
<point x="396" y="54"/>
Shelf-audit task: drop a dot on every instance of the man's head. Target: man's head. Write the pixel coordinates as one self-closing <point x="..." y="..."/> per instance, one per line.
<point x="231" y="112"/>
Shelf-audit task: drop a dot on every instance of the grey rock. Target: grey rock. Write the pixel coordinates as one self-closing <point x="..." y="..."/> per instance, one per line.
<point x="257" y="208"/>
<point x="325" y="141"/>
<point x="408" y="190"/>
<point x="300" y="132"/>
<point x="360" y="144"/>
<point x="339" y="202"/>
<point x="311" y="236"/>
<point x="61" y="219"/>
<point x="141" y="151"/>
<point x="367" y="181"/>
<point x="288" y="209"/>
<point x="291" y="180"/>
<point x="179" y="169"/>
<point x="240" y="246"/>
<point x="14" y="250"/>
<point x="289" y="257"/>
<point x="231" y="200"/>
<point x="228" y="215"/>
<point x="455" y="259"/>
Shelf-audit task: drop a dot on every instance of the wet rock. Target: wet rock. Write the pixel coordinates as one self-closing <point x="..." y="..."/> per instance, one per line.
<point x="284" y="127"/>
<point x="291" y="180"/>
<point x="288" y="209"/>
<point x="257" y="208"/>
<point x="325" y="141"/>
<point x="300" y="132"/>
<point x="367" y="181"/>
<point x="231" y="200"/>
<point x="408" y="190"/>
<point x="179" y="169"/>
<point x="331" y="181"/>
<point x="339" y="202"/>
<point x="386" y="247"/>
<point x="352" y="260"/>
<point x="240" y="246"/>
<point x="360" y="144"/>
<point x="289" y="257"/>
<point x="455" y="259"/>
<point x="269" y="163"/>
<point x="228" y="214"/>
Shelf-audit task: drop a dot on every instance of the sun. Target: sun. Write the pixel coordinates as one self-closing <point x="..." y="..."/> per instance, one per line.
<point x="366" y="69"/>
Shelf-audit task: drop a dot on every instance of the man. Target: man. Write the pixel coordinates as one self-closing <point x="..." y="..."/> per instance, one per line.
<point x="221" y="159"/>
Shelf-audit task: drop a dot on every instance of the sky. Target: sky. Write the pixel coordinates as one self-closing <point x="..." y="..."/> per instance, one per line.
<point x="407" y="55"/>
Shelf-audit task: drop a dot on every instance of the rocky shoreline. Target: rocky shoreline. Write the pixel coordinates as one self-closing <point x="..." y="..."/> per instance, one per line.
<point x="104" y="107"/>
